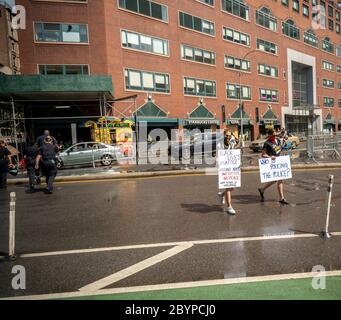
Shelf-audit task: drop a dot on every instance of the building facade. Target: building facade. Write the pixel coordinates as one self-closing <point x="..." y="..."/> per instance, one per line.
<point x="9" y="47"/>
<point x="194" y="63"/>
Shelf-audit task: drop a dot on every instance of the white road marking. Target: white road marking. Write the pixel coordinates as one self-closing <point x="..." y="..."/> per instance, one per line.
<point x="171" y="244"/>
<point x="102" y="283"/>
<point x="178" y="285"/>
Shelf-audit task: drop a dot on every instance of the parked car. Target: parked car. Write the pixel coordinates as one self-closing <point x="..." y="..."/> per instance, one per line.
<point x="257" y="145"/>
<point x="85" y="153"/>
<point x="200" y="143"/>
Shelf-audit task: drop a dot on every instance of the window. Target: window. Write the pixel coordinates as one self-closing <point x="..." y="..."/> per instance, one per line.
<point x="55" y="32"/>
<point x="331" y="24"/>
<point x="339" y="85"/>
<point x="268" y="95"/>
<point x="210" y="2"/>
<point x="327" y="45"/>
<point x="198" y="55"/>
<point x="285" y="3"/>
<point x="146" y="7"/>
<point x="236" y="7"/>
<point x="233" y="91"/>
<point x="289" y="29"/>
<point x="266" y="70"/>
<point x="147" y="81"/>
<point x="63" y="69"/>
<point x="337" y="15"/>
<point x="296" y="5"/>
<point x="327" y="66"/>
<point x="266" y="46"/>
<point x="144" y="43"/>
<point x="328" y="102"/>
<point x="199" y="87"/>
<point x="337" y="28"/>
<point x="338" y="69"/>
<point x="236" y="36"/>
<point x="265" y="18"/>
<point x="319" y="15"/>
<point x="195" y="23"/>
<point x="338" y="50"/>
<point x="339" y="103"/>
<point x="328" y="83"/>
<point x="305" y="10"/>
<point x="237" y="64"/>
<point x="330" y="11"/>
<point x="311" y="38"/>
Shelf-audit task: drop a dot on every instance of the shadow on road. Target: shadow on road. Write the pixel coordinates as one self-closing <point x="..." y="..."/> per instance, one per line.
<point x="201" y="207"/>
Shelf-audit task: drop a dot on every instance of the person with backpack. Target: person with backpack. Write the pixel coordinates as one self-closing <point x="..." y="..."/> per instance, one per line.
<point x="272" y="148"/>
<point x="225" y="197"/>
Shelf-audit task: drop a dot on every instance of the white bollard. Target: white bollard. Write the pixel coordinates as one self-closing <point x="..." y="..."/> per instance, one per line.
<point x="11" y="249"/>
<point x="325" y="233"/>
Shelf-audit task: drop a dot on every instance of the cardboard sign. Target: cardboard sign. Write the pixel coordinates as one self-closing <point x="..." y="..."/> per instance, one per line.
<point x="229" y="162"/>
<point x="274" y="170"/>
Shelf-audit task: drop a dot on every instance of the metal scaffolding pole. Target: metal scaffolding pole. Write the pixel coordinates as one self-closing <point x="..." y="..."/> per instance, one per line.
<point x="14" y="127"/>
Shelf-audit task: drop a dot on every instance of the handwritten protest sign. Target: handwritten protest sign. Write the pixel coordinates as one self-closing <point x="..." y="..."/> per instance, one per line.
<point x="274" y="170"/>
<point x="229" y="169"/>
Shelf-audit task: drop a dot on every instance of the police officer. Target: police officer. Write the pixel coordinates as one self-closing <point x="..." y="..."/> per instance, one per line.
<point x="41" y="139"/>
<point x="5" y="162"/>
<point x="47" y="156"/>
<point x="30" y="155"/>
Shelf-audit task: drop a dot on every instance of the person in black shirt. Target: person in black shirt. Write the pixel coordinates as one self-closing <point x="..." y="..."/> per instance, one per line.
<point x="5" y="161"/>
<point x="47" y="156"/>
<point x="272" y="149"/>
<point x="40" y="140"/>
<point x="30" y="155"/>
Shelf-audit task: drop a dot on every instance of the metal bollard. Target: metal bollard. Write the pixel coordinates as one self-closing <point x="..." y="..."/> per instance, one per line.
<point x="325" y="234"/>
<point x="11" y="246"/>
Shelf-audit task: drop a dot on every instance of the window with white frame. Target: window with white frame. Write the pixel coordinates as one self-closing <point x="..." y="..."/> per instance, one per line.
<point x="197" y="54"/>
<point x="147" y="81"/>
<point x="237" y="64"/>
<point x="143" y="42"/>
<point x="195" y="23"/>
<point x="266" y="46"/>
<point x="236" y="7"/>
<point x="265" y="18"/>
<point x="328" y="102"/>
<point x="290" y="30"/>
<point x="267" y="70"/>
<point x="233" y="91"/>
<point x="268" y="95"/>
<point x="327" y="65"/>
<point x="236" y="36"/>
<point x="199" y="87"/>
<point x="60" y="32"/>
<point x="328" y="83"/>
<point x="311" y="38"/>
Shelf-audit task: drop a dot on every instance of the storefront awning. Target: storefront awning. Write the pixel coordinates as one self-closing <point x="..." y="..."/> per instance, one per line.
<point x="200" y="116"/>
<point x="269" y="117"/>
<point x="151" y="110"/>
<point x="236" y="118"/>
<point x="55" y="87"/>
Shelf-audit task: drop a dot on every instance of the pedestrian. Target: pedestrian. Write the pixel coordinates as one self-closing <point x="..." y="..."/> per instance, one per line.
<point x="30" y="156"/>
<point x="225" y="197"/>
<point x="41" y="139"/>
<point x="5" y="163"/>
<point x="272" y="148"/>
<point x="47" y="156"/>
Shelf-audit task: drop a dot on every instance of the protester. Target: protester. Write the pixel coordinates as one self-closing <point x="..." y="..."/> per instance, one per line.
<point x="47" y="156"/>
<point x="30" y="156"/>
<point x="5" y="162"/>
<point x="272" y="148"/>
<point x="225" y="196"/>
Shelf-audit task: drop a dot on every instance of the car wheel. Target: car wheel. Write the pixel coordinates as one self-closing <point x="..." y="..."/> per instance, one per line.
<point x="106" y="160"/>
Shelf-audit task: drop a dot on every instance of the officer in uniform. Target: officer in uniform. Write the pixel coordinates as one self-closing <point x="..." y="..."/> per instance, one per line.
<point x="30" y="155"/>
<point x="5" y="162"/>
<point x="41" y="139"/>
<point x="47" y="156"/>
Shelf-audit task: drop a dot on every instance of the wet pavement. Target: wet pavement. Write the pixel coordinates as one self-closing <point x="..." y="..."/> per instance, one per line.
<point x="153" y="215"/>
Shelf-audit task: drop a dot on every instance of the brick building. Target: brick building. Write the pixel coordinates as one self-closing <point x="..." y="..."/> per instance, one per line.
<point x="185" y="59"/>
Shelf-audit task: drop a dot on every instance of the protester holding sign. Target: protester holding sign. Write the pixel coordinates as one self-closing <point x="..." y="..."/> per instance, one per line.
<point x="272" y="149"/>
<point x="229" y="170"/>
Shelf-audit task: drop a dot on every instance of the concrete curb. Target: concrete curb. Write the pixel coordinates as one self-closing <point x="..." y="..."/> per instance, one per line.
<point x="134" y="175"/>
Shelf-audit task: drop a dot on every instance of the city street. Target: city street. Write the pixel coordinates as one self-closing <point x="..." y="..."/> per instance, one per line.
<point x="167" y="230"/>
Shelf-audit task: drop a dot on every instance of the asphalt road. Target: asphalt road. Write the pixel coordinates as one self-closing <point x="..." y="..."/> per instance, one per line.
<point x="175" y="224"/>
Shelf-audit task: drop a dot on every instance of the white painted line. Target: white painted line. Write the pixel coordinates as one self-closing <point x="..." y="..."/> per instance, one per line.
<point x="171" y="244"/>
<point x="178" y="285"/>
<point x="102" y="283"/>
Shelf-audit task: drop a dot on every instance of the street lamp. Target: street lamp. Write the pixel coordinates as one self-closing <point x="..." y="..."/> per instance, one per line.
<point x="240" y="98"/>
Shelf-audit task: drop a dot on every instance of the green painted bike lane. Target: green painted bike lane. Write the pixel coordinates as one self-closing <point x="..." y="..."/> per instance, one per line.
<point x="293" y="289"/>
